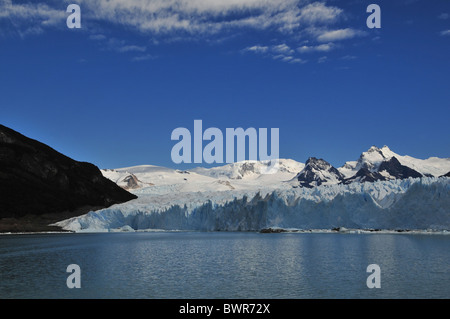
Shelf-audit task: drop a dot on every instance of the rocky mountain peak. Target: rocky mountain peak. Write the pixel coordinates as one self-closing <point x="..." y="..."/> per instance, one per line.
<point x="318" y="172"/>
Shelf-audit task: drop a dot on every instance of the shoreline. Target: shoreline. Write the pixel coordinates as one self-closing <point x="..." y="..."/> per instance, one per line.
<point x="269" y="230"/>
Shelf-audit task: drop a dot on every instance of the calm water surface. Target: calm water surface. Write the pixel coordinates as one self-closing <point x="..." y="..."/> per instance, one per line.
<point x="224" y="265"/>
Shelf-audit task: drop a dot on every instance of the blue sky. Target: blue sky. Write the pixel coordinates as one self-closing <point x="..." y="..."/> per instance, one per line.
<point x="111" y="92"/>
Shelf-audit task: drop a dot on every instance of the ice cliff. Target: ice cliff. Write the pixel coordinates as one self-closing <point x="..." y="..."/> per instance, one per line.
<point x="413" y="203"/>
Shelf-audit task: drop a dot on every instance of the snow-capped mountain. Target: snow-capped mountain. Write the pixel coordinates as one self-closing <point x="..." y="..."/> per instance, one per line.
<point x="374" y="157"/>
<point x="385" y="170"/>
<point x="373" y="165"/>
<point x="318" y="172"/>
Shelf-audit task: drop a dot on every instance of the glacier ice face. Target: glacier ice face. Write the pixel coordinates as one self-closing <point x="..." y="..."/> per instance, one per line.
<point x="420" y="203"/>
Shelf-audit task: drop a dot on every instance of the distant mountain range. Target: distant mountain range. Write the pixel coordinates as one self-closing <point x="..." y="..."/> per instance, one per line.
<point x="376" y="164"/>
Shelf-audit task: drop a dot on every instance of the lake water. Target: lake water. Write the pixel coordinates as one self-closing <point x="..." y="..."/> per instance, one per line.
<point x="224" y="265"/>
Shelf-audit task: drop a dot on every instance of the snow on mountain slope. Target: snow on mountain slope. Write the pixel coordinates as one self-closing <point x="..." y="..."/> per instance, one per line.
<point x="247" y="175"/>
<point x="162" y="179"/>
<point x="348" y="169"/>
<point x="431" y="166"/>
<point x="252" y="170"/>
<point x="420" y="203"/>
<point x="373" y="158"/>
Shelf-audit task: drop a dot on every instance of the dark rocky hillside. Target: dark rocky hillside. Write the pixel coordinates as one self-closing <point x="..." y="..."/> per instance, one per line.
<point x="39" y="185"/>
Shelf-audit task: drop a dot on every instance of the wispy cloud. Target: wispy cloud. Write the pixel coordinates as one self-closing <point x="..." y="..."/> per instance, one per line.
<point x="131" y="48"/>
<point x="341" y="34"/>
<point x="121" y="46"/>
<point x="318" y="48"/>
<point x="282" y="48"/>
<point x="30" y="18"/>
<point x="257" y="49"/>
<point x="318" y="12"/>
<point x="445" y="33"/>
<point x="165" y="21"/>
<point x="194" y="17"/>
<point x="31" y="12"/>
<point x="444" y="16"/>
<point x="297" y="60"/>
<point x="282" y="52"/>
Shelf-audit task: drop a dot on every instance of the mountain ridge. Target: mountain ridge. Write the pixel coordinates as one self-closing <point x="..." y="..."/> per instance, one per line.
<point x="372" y="165"/>
<point x="38" y="184"/>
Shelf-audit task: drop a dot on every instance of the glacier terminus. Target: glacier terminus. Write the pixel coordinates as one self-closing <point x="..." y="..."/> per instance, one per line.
<point x="380" y="191"/>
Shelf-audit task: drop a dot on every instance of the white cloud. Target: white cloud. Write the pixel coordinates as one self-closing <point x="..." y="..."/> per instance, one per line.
<point x="281" y="52"/>
<point x="191" y="20"/>
<point x="257" y="49"/>
<point x="318" y="12"/>
<point x="279" y="56"/>
<point x="195" y="16"/>
<point x="279" y="49"/>
<point x="130" y="48"/>
<point x="121" y="46"/>
<point x="341" y="34"/>
<point x="318" y="48"/>
<point x="27" y="12"/>
<point x="190" y="16"/>
<point x="282" y="48"/>
<point x="30" y="18"/>
<point x="297" y="60"/>
<point x="445" y="32"/>
<point x="444" y="16"/>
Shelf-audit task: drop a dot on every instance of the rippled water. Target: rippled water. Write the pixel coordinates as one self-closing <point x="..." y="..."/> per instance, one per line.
<point x="224" y="265"/>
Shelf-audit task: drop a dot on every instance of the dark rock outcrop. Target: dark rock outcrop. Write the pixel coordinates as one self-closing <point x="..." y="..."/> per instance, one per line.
<point x="364" y="175"/>
<point x="272" y="230"/>
<point x="317" y="172"/>
<point x="132" y="182"/>
<point x="446" y="175"/>
<point x="36" y="180"/>
<point x="397" y="170"/>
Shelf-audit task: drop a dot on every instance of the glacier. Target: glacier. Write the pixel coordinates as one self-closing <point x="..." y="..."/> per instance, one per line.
<point x="408" y="204"/>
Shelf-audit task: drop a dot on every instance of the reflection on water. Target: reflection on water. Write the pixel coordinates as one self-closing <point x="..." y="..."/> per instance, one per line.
<point x="224" y="265"/>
